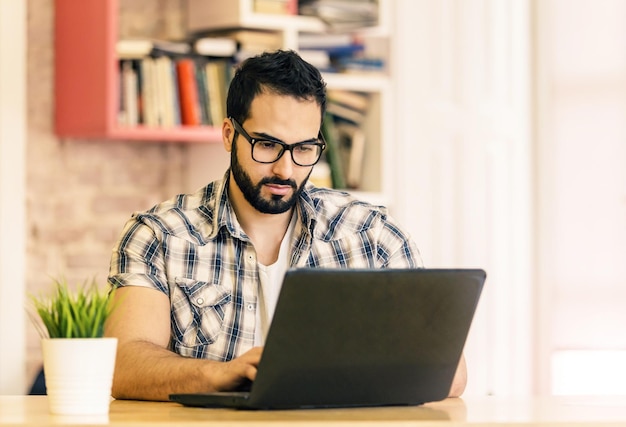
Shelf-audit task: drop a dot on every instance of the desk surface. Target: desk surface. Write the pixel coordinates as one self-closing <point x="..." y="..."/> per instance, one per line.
<point x="550" y="411"/>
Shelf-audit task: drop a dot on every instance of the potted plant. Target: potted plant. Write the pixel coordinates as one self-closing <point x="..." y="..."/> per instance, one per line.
<point x="78" y="361"/>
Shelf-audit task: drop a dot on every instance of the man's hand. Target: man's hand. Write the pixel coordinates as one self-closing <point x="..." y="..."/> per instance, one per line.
<point x="460" y="379"/>
<point x="228" y="376"/>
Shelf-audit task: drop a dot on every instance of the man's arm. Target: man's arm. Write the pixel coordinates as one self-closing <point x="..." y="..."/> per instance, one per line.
<point x="460" y="379"/>
<point x="146" y="369"/>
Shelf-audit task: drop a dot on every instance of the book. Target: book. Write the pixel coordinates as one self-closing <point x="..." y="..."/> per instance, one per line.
<point x="203" y="93"/>
<point x="333" y="154"/>
<point x="317" y="58"/>
<point x="188" y="92"/>
<point x="355" y="100"/>
<point x="133" y="48"/>
<point x="293" y="6"/>
<point x="351" y="142"/>
<point x="168" y="89"/>
<point x="158" y="94"/>
<point x="342" y="14"/>
<point x="335" y="54"/>
<point x="215" y="46"/>
<point x="149" y="113"/>
<point x="254" y="40"/>
<point x="360" y="64"/>
<point x="325" y="40"/>
<point x="138" y="48"/>
<point x="216" y="83"/>
<point x="206" y="96"/>
<point x="280" y="7"/>
<point x="345" y="112"/>
<point x="129" y="112"/>
<point x="175" y="95"/>
<point x="342" y="112"/>
<point x="338" y="51"/>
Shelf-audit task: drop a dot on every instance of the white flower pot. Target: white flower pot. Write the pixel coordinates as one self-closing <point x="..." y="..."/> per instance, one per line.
<point x="79" y="374"/>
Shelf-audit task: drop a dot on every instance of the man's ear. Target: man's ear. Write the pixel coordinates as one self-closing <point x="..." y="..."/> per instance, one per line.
<point x="228" y="134"/>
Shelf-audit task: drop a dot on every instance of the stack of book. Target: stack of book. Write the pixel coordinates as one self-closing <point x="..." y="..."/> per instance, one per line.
<point x="277" y="7"/>
<point x="338" y="52"/>
<point x="345" y="138"/>
<point x="342" y="15"/>
<point x="167" y="84"/>
<point x="252" y="42"/>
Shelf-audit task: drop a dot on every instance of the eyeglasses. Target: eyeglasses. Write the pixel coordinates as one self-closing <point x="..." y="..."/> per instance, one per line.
<point x="305" y="153"/>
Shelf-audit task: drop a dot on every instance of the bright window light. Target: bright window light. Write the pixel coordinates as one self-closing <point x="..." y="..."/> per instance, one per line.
<point x="589" y="372"/>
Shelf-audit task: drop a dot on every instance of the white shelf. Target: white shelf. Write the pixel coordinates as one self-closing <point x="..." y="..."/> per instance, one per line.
<point x="261" y="21"/>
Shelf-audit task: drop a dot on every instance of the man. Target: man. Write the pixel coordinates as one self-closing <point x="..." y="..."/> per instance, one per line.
<point x="198" y="276"/>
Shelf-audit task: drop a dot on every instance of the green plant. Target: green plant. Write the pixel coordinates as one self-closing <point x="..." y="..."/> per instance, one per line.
<point x="78" y="314"/>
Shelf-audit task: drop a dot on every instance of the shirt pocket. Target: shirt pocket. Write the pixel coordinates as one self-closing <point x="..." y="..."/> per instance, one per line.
<point x="198" y="313"/>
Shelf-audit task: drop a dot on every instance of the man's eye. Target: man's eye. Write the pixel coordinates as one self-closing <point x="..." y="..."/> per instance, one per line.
<point x="305" y="148"/>
<point x="266" y="145"/>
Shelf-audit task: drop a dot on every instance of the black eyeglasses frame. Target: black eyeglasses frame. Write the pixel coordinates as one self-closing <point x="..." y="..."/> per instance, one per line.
<point x="285" y="147"/>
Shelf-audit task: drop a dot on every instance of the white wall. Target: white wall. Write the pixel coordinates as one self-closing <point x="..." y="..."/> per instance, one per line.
<point x="205" y="163"/>
<point x="464" y="173"/>
<point x="12" y="195"/>
<point x="581" y="159"/>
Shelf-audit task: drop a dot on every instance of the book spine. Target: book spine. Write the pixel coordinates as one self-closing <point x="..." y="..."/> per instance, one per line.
<point x="333" y="154"/>
<point x="292" y="7"/>
<point x="133" y="96"/>
<point x="149" y="95"/>
<point x="203" y="93"/>
<point x="175" y="94"/>
<point x="188" y="92"/>
<point x="166" y="88"/>
<point x="216" y="81"/>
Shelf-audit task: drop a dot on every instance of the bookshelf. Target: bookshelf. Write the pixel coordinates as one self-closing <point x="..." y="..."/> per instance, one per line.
<point x="87" y="77"/>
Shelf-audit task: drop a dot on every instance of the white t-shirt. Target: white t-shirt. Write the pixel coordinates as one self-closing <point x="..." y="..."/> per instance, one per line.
<point x="270" y="281"/>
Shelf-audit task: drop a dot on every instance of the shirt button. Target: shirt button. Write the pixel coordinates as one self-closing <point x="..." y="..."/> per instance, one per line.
<point x="200" y="301"/>
<point x="250" y="307"/>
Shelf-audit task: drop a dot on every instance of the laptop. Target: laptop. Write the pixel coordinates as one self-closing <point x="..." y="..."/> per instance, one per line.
<point x="359" y="337"/>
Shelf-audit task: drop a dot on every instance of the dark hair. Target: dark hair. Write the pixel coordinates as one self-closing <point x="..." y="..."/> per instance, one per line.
<point x="282" y="72"/>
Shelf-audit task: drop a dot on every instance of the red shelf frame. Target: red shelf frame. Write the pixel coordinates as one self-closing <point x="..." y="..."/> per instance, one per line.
<point x="87" y="79"/>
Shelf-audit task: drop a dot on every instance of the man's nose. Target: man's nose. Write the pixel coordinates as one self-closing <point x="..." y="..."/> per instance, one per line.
<point x="283" y="167"/>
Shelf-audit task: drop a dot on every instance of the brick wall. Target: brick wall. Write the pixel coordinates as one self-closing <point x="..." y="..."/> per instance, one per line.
<point x="79" y="192"/>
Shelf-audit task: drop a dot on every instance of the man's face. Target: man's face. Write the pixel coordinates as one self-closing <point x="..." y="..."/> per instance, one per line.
<point x="273" y="188"/>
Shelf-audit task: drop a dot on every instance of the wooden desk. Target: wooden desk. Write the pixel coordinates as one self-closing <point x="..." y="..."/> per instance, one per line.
<point x="597" y="412"/>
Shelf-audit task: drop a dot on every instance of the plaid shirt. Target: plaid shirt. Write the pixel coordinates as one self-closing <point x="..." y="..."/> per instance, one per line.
<point x="193" y="249"/>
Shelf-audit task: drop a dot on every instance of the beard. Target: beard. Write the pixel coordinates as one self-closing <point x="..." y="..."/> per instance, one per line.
<point x="252" y="192"/>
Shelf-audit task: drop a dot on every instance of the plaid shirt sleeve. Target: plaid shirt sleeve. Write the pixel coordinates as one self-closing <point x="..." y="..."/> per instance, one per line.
<point x="137" y="258"/>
